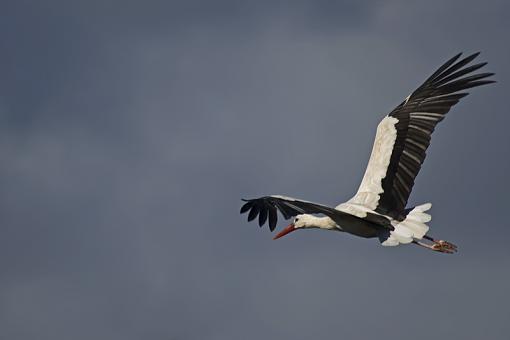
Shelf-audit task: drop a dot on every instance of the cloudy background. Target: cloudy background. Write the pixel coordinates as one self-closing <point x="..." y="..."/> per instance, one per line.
<point x="129" y="130"/>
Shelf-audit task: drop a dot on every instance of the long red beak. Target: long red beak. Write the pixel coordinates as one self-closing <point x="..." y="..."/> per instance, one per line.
<point x="288" y="229"/>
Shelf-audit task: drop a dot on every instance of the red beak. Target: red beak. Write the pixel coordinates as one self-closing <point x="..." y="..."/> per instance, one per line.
<point x="288" y="229"/>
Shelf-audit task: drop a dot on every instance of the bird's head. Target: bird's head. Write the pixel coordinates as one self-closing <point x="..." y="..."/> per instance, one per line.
<point x="307" y="221"/>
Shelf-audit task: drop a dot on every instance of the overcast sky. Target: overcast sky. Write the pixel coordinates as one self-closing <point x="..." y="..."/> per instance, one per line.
<point x="129" y="131"/>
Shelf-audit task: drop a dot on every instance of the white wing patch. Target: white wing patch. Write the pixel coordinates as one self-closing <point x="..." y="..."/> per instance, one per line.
<point x="357" y="210"/>
<point x="371" y="185"/>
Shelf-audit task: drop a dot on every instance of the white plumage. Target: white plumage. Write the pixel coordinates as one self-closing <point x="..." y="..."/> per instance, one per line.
<point x="371" y="187"/>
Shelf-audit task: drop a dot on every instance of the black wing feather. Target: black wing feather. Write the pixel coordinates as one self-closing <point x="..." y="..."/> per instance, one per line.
<point x="263" y="216"/>
<point x="255" y="209"/>
<point x="247" y="206"/>
<point x="273" y="218"/>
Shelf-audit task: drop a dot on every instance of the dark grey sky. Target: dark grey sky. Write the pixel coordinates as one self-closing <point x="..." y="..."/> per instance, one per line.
<point x="130" y="129"/>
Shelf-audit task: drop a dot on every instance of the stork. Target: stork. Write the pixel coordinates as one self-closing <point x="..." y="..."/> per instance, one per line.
<point x="378" y="209"/>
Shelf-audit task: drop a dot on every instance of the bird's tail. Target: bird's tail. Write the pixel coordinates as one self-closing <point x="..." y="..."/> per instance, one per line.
<point x="413" y="227"/>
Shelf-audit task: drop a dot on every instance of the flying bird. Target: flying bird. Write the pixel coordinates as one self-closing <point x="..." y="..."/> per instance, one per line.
<point x="378" y="209"/>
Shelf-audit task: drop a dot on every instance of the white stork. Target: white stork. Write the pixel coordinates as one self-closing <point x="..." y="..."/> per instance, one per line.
<point x="379" y="207"/>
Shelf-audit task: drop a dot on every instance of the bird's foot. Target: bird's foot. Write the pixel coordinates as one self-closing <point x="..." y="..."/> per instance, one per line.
<point x="444" y="247"/>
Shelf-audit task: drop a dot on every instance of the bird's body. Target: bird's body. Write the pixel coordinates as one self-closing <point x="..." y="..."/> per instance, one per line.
<point x="378" y="209"/>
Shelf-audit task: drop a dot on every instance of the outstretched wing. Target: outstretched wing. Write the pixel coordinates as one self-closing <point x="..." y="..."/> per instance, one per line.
<point x="266" y="208"/>
<point x="404" y="135"/>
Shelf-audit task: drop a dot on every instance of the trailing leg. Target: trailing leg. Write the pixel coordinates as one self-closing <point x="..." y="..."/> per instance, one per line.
<point x="442" y="243"/>
<point x="440" y="246"/>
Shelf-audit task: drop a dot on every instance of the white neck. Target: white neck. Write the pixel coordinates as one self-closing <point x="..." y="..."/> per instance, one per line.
<point x="310" y="221"/>
<point x="326" y="223"/>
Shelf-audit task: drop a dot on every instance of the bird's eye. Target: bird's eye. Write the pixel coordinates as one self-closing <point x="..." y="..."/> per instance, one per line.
<point x="297" y="219"/>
